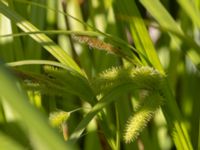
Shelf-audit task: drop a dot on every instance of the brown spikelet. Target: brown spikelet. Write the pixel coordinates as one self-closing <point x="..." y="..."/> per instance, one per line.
<point x="95" y="43"/>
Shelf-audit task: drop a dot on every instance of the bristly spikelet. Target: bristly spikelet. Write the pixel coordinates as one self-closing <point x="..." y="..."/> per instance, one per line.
<point x="147" y="78"/>
<point x="95" y="43"/>
<point x="105" y="78"/>
<point x="140" y="119"/>
<point x="58" y="118"/>
<point x="140" y="77"/>
<point x="110" y="73"/>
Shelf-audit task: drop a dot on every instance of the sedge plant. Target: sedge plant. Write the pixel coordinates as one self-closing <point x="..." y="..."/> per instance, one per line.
<point x="88" y="75"/>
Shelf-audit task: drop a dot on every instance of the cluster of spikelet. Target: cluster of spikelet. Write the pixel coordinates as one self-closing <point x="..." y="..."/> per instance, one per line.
<point x="141" y="78"/>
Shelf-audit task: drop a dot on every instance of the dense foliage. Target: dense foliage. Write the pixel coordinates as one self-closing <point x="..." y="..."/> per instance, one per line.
<point x="99" y="74"/>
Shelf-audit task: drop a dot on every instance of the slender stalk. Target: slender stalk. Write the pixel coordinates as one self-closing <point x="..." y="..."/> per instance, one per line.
<point x="74" y="54"/>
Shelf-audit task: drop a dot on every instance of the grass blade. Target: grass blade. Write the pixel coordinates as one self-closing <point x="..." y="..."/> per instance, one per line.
<point x="192" y="11"/>
<point x="42" y="39"/>
<point x="36" y="123"/>
<point x="139" y="32"/>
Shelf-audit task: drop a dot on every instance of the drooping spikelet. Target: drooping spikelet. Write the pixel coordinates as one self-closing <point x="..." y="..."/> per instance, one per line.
<point x="95" y="43"/>
<point x="140" y="119"/>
